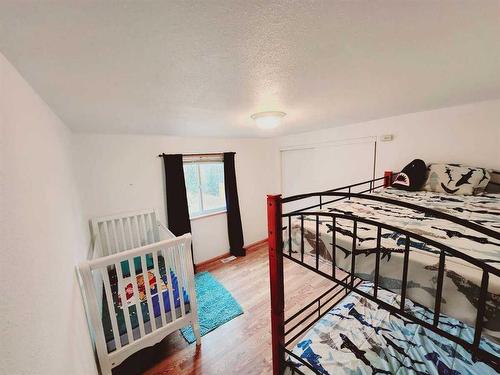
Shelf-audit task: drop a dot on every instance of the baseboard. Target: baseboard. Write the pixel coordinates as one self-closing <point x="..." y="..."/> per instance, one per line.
<point x="249" y="248"/>
<point x="210" y="261"/>
<point x="256" y="245"/>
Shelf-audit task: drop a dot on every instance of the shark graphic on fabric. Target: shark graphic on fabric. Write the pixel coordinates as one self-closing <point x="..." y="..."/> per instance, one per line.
<point x="465" y="178"/>
<point x="483" y="209"/>
<point x="441" y="366"/>
<point x="449" y="191"/>
<point x="350" y="346"/>
<point x="448" y="172"/>
<point x="456" y="179"/>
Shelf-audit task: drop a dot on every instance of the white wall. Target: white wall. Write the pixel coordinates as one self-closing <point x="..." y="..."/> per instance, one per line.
<point x="123" y="172"/>
<point x="468" y="134"/>
<point x="42" y="327"/>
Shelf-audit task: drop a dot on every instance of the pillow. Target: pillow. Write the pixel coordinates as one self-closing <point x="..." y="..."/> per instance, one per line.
<point x="412" y="177"/>
<point x="485" y="180"/>
<point x="456" y="179"/>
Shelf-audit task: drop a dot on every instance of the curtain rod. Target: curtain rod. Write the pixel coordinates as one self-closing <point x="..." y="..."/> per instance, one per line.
<point x="201" y="154"/>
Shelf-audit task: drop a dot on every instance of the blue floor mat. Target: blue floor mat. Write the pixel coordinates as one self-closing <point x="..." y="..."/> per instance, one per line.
<point x="216" y="305"/>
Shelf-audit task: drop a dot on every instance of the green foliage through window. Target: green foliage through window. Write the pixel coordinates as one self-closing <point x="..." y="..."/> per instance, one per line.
<point x="205" y="187"/>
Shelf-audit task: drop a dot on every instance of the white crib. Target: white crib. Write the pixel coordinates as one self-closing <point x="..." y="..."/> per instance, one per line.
<point x="124" y="314"/>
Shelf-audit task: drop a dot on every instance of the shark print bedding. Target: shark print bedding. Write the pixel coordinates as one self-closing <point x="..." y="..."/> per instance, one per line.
<point x="356" y="337"/>
<point x="456" y="179"/>
<point x="462" y="281"/>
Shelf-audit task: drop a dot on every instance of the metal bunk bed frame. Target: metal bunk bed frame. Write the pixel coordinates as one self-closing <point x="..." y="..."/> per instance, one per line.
<point x="286" y="331"/>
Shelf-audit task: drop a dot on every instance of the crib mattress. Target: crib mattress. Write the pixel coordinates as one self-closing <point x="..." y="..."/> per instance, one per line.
<point x="358" y="337"/>
<point x="124" y="301"/>
<point x="461" y="284"/>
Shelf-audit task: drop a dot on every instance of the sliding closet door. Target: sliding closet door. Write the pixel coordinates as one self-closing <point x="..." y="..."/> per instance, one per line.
<point x="326" y="166"/>
<point x="296" y="177"/>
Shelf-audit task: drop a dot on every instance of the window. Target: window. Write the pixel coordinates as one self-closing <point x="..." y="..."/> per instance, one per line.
<point x="204" y="177"/>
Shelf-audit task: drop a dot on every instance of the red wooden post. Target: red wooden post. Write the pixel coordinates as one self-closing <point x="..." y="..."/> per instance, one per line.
<point x="275" y="240"/>
<point x="387" y="178"/>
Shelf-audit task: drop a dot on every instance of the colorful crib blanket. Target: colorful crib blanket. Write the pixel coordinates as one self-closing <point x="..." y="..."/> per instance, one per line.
<point x="123" y="291"/>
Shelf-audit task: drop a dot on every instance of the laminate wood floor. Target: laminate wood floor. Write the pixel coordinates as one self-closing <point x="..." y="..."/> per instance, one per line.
<point x="243" y="345"/>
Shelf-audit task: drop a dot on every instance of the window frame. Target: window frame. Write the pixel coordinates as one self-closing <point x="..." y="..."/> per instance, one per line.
<point x="198" y="160"/>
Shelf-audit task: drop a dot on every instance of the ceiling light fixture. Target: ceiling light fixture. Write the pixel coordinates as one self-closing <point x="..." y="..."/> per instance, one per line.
<point x="268" y="120"/>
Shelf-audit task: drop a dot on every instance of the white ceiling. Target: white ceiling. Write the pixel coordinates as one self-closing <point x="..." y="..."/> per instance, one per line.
<point x="201" y="68"/>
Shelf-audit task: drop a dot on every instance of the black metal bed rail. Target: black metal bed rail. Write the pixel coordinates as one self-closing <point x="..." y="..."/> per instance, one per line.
<point x="478" y="353"/>
<point x="310" y="304"/>
<point x="442" y="247"/>
<point x="293" y="366"/>
<point x="371" y="181"/>
<point x="386" y="178"/>
<point x="321" y="194"/>
<point x="349" y="285"/>
<point x="426" y="210"/>
<point x="317" y="310"/>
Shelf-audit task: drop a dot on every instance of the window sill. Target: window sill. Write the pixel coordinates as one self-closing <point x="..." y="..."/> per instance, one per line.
<point x="202" y="216"/>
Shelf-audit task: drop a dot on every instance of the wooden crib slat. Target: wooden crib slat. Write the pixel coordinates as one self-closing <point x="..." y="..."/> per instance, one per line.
<point x="180" y="278"/>
<point x="130" y="232"/>
<point x="95" y="310"/>
<point x="159" y="282"/>
<point x="109" y="227"/>
<point x="184" y="249"/>
<point x="121" y="235"/>
<point x="115" y="236"/>
<point x="146" y="228"/>
<point x="149" y="225"/>
<point x="187" y="266"/>
<point x="140" y="230"/>
<point x="138" y="305"/>
<point x="149" y="228"/>
<point x="156" y="232"/>
<point x="154" y="228"/>
<point x="193" y="306"/>
<point x="125" y="308"/>
<point x="147" y="290"/>
<point x="108" y="242"/>
<point x="111" y="307"/>
<point x="137" y="231"/>
<point x="143" y="228"/>
<point x="183" y="270"/>
<point x="169" y="283"/>
<point x="124" y="237"/>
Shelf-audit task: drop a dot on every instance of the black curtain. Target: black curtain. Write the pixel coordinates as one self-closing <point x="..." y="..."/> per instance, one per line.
<point x="234" y="229"/>
<point x="177" y="204"/>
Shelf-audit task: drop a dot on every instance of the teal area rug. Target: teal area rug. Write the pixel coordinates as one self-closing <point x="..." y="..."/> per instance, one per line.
<point x="216" y="305"/>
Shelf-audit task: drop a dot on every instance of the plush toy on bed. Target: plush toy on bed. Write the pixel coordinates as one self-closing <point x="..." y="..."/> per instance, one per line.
<point x="412" y="177"/>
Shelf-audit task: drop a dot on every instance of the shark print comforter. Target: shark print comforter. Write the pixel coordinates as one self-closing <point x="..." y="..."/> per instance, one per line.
<point x="462" y="280"/>
<point x="357" y="337"/>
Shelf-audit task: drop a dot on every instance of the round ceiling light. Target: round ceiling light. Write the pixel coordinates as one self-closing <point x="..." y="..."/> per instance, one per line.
<point x="268" y="120"/>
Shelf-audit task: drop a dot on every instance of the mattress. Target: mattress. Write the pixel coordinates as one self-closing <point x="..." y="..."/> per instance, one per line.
<point x="462" y="281"/>
<point x="124" y="300"/>
<point x="357" y="337"/>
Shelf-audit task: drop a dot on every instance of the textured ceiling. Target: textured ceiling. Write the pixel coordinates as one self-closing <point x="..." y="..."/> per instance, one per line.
<point x="203" y="67"/>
